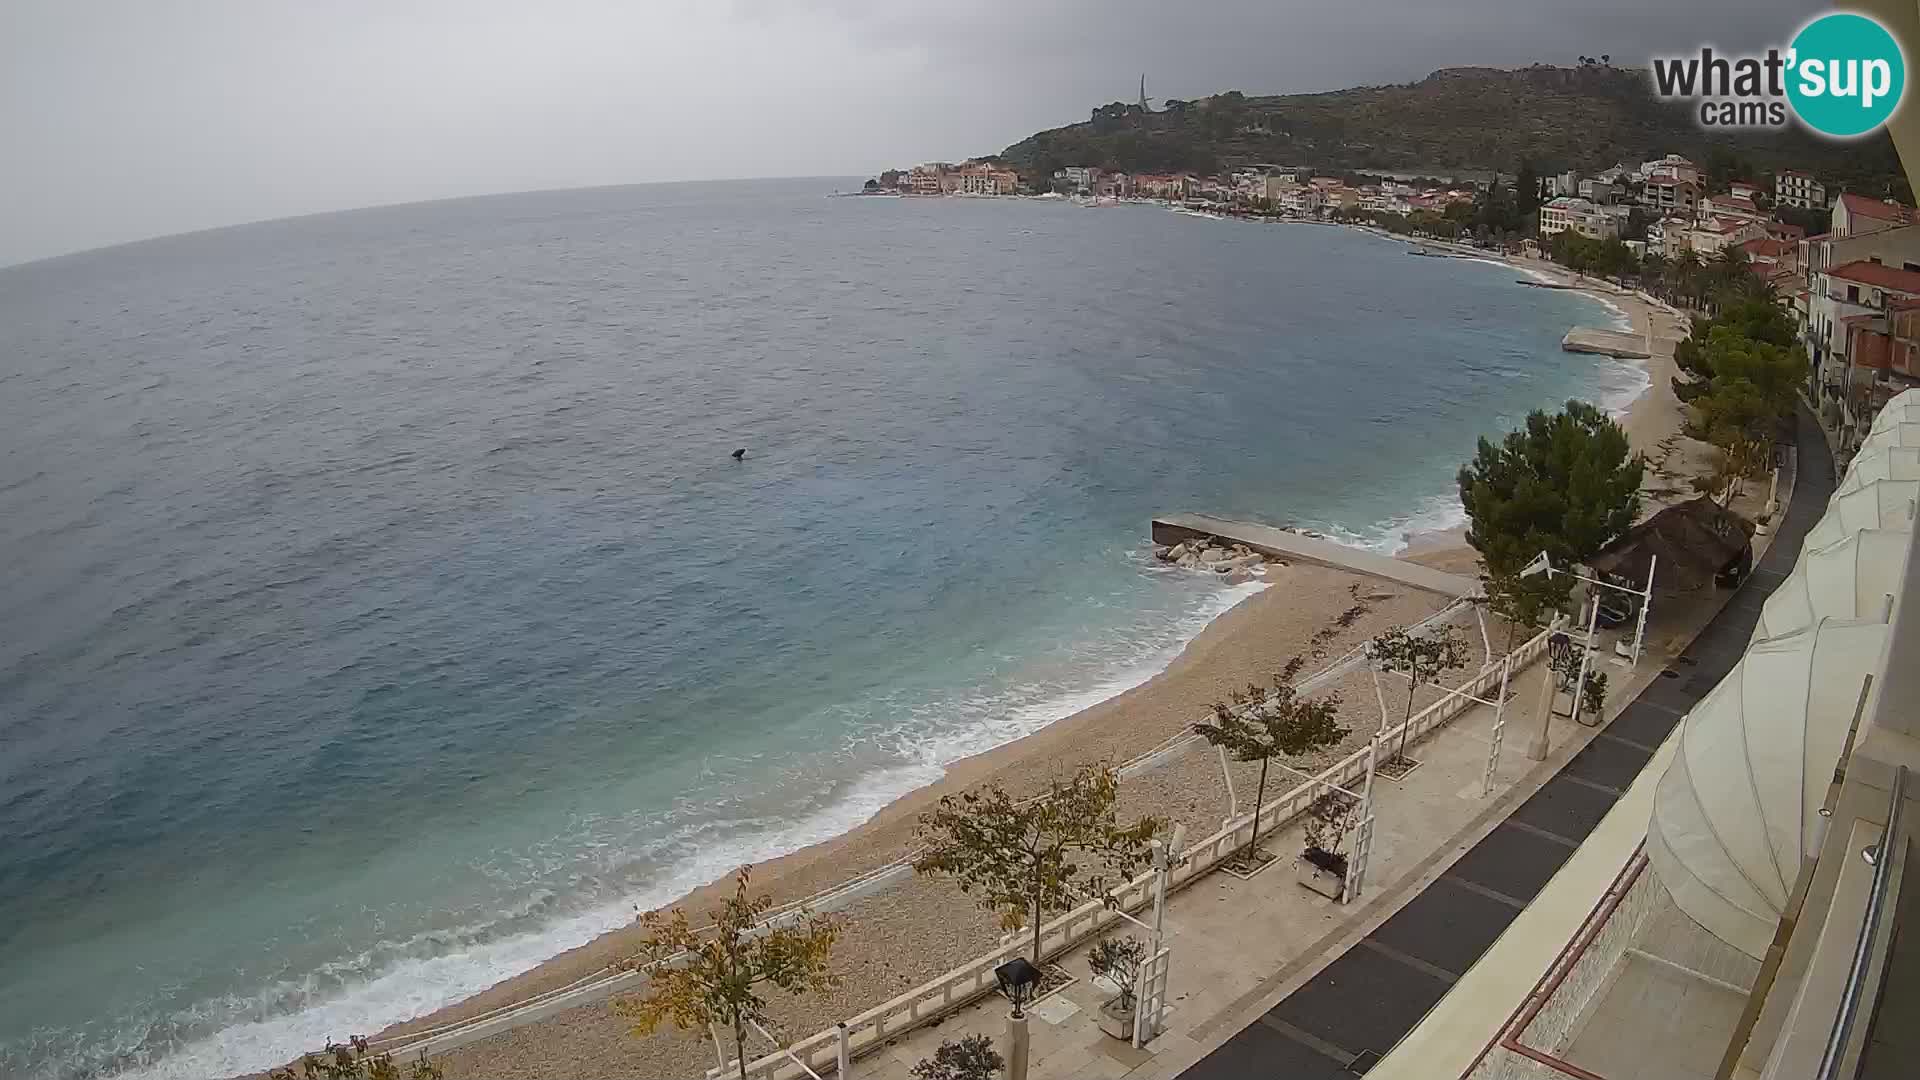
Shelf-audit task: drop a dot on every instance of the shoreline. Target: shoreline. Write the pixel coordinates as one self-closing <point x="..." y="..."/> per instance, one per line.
<point x="1292" y="597"/>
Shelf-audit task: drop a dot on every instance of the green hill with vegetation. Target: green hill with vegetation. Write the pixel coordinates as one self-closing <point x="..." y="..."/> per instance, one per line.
<point x="1458" y="121"/>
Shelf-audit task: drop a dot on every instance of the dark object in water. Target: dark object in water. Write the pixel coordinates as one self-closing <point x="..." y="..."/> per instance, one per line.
<point x="740" y="453"/>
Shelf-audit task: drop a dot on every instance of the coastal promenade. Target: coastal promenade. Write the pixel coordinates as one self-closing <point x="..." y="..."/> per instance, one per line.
<point x="1338" y="1021"/>
<point x="1235" y="941"/>
<point x="1269" y="980"/>
<point x="1287" y="544"/>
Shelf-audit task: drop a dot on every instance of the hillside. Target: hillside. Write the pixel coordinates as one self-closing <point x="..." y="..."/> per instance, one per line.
<point x="1458" y="120"/>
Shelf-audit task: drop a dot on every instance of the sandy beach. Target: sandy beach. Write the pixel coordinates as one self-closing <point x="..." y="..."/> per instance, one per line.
<point x="904" y="935"/>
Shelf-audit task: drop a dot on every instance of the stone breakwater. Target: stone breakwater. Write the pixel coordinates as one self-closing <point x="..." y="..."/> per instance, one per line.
<point x="1237" y="563"/>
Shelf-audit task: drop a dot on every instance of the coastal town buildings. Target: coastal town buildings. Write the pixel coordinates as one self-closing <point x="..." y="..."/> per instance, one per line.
<point x="1668" y="193"/>
<point x="977" y="178"/>
<point x="1711" y="235"/>
<point x="1731" y="205"/>
<point x="928" y="179"/>
<point x="1791" y="187"/>
<point x="1879" y="361"/>
<point x="1855" y="215"/>
<point x="1079" y="178"/>
<point x="1863" y="269"/>
<point x="1163" y="185"/>
<point x="1578" y="215"/>
<point x="1771" y="256"/>
<point x="1782" y="230"/>
<point x="1849" y="309"/>
<point x="1672" y="166"/>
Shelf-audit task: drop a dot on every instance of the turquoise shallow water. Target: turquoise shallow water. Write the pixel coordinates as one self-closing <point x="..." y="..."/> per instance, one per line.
<point x="386" y="614"/>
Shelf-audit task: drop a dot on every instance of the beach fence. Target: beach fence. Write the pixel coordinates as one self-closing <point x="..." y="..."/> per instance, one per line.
<point x="822" y="1052"/>
<point x="974" y="979"/>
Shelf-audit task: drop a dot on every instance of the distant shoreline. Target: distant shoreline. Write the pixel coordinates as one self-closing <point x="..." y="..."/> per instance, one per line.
<point x="1243" y="642"/>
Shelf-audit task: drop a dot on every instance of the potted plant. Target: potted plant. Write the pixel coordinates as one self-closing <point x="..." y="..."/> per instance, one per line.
<point x="1594" y="699"/>
<point x="1323" y="864"/>
<point x="1116" y="962"/>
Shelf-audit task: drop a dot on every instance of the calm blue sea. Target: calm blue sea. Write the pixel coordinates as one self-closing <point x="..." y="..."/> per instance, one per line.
<point x="383" y="613"/>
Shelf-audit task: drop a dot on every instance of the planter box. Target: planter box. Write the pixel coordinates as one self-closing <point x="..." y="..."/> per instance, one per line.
<point x="1238" y="866"/>
<point x="1116" y="1022"/>
<point x="1325" y="882"/>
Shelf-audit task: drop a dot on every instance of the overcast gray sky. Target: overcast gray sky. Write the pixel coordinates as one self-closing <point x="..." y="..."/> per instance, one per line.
<point x="123" y="119"/>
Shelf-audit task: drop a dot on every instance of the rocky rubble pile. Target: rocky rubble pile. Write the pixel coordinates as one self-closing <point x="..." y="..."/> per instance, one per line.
<point x="1236" y="562"/>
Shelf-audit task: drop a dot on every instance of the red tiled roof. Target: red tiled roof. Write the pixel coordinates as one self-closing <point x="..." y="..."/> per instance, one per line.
<point x="1738" y="202"/>
<point x="1766" y="245"/>
<point x="1874" y="208"/>
<point x="1867" y="272"/>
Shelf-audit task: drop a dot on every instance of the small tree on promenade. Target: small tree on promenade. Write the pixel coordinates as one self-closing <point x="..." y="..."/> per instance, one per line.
<point x="1021" y="859"/>
<point x="700" y="978"/>
<point x="1422" y="658"/>
<point x="1566" y="484"/>
<point x="1519" y="601"/>
<point x="1256" y="725"/>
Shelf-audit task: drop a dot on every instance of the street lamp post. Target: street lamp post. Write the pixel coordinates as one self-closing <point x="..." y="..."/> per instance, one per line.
<point x="1018" y="981"/>
<point x="1537" y="744"/>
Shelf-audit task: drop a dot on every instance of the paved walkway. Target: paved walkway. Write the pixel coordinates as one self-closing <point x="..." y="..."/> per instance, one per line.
<point x="1342" y="1020"/>
<point x="1278" y="542"/>
<point x="1236" y="941"/>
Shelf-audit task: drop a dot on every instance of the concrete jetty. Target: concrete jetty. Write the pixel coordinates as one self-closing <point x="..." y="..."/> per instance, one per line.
<point x="1292" y="546"/>
<point x="1615" y="343"/>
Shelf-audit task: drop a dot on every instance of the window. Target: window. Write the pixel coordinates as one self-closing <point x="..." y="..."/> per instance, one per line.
<point x="1853" y="294"/>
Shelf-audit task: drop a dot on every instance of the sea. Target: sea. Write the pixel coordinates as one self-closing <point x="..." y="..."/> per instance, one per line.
<point x="382" y="610"/>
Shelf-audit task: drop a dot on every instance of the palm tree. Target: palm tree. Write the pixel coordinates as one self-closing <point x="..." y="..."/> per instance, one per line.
<point x="1653" y="271"/>
<point x="1685" y="271"/>
<point x="1727" y="274"/>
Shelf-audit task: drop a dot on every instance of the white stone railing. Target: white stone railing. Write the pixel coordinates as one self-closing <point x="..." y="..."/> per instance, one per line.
<point x="974" y="979"/>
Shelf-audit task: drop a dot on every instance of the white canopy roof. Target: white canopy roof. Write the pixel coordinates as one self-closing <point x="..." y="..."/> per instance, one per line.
<point x="1882" y="463"/>
<point x="1877" y="504"/>
<point x="1896" y="434"/>
<point x="1903" y="407"/>
<point x="1847" y="580"/>
<point x="1738" y="807"/>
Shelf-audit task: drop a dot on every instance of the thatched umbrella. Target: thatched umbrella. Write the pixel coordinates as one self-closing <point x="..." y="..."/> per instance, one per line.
<point x="1697" y="543"/>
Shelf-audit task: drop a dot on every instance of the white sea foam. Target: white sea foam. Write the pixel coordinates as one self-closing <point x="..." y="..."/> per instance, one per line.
<point x="1435" y="514"/>
<point x="416" y="987"/>
<point x="1621" y="320"/>
<point x="1018" y="721"/>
